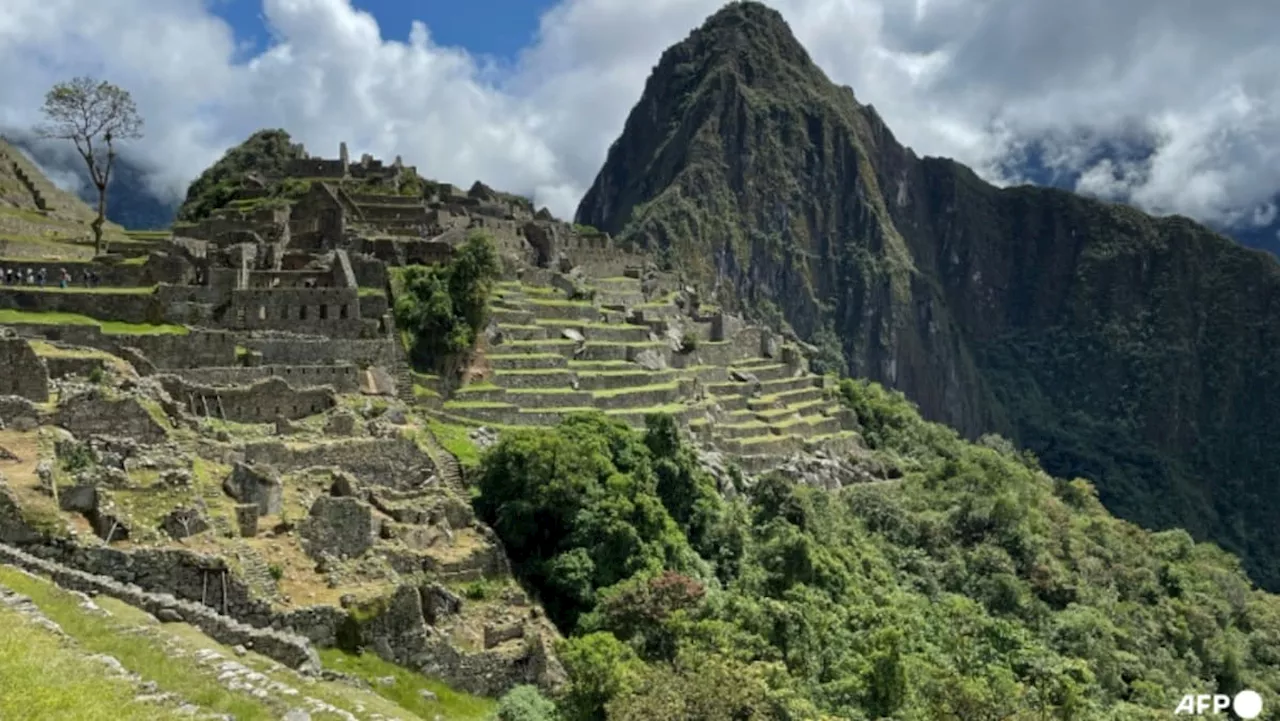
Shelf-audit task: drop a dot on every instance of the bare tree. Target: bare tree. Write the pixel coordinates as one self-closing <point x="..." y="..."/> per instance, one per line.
<point x="87" y="111"/>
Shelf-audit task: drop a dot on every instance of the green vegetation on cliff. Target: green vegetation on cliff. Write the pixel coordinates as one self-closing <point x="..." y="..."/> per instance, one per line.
<point x="266" y="152"/>
<point x="1133" y="351"/>
<point x="975" y="586"/>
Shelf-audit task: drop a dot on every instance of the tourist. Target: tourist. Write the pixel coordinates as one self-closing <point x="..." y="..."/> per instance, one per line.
<point x="93" y="278"/>
<point x="40" y="277"/>
<point x="4" y="276"/>
<point x="84" y="276"/>
<point x="31" y="277"/>
<point x="64" y="278"/>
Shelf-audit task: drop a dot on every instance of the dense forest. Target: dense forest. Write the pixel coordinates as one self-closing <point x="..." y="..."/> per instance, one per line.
<point x="972" y="586"/>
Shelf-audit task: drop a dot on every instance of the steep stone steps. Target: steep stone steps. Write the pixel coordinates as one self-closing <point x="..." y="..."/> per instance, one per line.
<point x="770" y="370"/>
<point x="749" y="429"/>
<point x="525" y="361"/>
<point x="784" y="385"/>
<point x="764" y="444"/>
<point x="785" y="398"/>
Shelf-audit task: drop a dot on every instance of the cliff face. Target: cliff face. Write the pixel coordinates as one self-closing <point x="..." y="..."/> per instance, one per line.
<point x="1131" y="350"/>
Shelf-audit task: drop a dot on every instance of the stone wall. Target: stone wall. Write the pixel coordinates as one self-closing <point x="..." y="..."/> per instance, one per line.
<point x="389" y="462"/>
<point x="93" y="412"/>
<point x="344" y="378"/>
<point x="22" y="372"/>
<point x="308" y="351"/>
<point x="369" y="271"/>
<point x="289" y="649"/>
<point x="322" y="311"/>
<point x="126" y="307"/>
<point x="191" y="350"/>
<point x="262" y="402"/>
<point x="159" y="268"/>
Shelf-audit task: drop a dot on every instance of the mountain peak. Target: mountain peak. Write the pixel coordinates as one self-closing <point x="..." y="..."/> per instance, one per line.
<point x="749" y="37"/>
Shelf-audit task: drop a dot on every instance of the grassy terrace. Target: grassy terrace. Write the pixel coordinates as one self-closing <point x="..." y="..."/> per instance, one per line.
<point x="363" y="292"/>
<point x="101" y="290"/>
<point x="23" y="317"/>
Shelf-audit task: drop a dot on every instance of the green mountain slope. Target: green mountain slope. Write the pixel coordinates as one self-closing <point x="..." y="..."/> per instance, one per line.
<point x="1131" y="350"/>
<point x="959" y="582"/>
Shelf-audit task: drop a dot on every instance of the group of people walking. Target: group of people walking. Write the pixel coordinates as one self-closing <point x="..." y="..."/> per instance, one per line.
<point x="40" y="277"/>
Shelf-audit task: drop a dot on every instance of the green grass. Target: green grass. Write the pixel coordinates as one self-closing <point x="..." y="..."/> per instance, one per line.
<point x="479" y="386"/>
<point x="79" y="290"/>
<point x="423" y="392"/>
<point x="560" y="302"/>
<point x="404" y="692"/>
<point x="365" y="292"/>
<point x="46" y="679"/>
<point x="457" y="440"/>
<point x="494" y="356"/>
<point x="141" y="655"/>
<point x="22" y="317"/>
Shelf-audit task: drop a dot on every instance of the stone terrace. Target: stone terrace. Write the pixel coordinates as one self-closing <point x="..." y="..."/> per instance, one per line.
<point x="550" y="356"/>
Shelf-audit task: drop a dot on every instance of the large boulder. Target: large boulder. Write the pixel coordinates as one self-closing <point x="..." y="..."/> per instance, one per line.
<point x="345" y="527"/>
<point x="255" y="485"/>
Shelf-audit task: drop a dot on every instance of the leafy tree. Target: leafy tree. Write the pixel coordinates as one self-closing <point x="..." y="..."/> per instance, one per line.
<point x="443" y="308"/>
<point x="86" y="112"/>
<point x="972" y="586"/>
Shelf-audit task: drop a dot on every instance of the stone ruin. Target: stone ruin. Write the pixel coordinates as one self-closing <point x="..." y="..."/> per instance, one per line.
<point x="278" y="405"/>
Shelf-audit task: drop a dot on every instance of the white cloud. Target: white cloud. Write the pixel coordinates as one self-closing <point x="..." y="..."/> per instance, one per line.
<point x="973" y="79"/>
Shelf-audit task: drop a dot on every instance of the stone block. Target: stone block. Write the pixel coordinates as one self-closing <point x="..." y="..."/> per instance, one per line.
<point x="183" y="523"/>
<point x="25" y="372"/>
<point x="256" y="485"/>
<point x="78" y="499"/>
<point x="343" y="527"/>
<point x="247" y="519"/>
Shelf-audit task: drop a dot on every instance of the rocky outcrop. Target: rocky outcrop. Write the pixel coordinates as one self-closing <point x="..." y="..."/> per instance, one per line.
<point x="256" y="486"/>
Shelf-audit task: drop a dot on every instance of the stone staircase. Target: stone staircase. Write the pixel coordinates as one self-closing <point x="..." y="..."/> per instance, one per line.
<point x="558" y="356"/>
<point x="36" y="196"/>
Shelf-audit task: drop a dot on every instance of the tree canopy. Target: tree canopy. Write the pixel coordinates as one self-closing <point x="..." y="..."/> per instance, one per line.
<point x="93" y="115"/>
<point x="972" y="586"/>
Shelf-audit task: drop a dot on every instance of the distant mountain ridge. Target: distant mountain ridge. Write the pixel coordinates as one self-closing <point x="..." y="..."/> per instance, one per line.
<point x="130" y="203"/>
<point x="1132" y="350"/>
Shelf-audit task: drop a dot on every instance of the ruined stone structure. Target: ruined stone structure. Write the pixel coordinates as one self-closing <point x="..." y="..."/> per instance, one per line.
<point x="22" y="372"/>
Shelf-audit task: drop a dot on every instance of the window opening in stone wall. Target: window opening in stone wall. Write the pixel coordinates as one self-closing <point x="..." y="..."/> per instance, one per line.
<point x="324" y="312"/>
<point x="342" y="312"/>
<point x="302" y="312"/>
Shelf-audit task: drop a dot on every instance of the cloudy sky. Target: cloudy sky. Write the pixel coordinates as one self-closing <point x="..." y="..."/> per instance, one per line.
<point x="527" y="95"/>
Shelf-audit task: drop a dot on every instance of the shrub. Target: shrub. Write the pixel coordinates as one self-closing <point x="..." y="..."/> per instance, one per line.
<point x="526" y="703"/>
